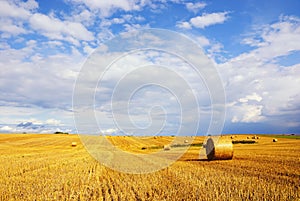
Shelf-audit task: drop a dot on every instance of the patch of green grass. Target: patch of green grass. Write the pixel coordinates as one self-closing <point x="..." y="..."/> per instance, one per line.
<point x="288" y="136"/>
<point x="283" y="136"/>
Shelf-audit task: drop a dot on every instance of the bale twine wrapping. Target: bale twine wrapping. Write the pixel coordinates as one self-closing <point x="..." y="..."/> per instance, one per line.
<point x="221" y="149"/>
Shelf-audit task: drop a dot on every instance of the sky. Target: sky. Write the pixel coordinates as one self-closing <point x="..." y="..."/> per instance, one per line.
<point x="252" y="45"/>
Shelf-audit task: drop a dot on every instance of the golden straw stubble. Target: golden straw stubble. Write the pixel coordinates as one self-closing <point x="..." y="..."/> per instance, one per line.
<point x="219" y="149"/>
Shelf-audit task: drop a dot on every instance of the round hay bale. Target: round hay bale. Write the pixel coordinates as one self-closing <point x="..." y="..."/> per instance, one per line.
<point x="74" y="144"/>
<point x="248" y="137"/>
<point x="186" y="141"/>
<point x="232" y="137"/>
<point x="274" y="140"/>
<point x="167" y="147"/>
<point x="221" y="149"/>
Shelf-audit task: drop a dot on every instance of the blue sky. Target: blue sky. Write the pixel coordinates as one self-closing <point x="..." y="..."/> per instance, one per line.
<point x="254" y="45"/>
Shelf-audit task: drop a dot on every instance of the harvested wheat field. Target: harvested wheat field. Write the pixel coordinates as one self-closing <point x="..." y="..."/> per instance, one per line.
<point x="51" y="167"/>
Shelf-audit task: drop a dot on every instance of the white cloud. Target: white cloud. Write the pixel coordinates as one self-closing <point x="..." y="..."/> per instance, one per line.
<point x="184" y="25"/>
<point x="144" y="100"/>
<point x="109" y="131"/>
<point x="205" y="20"/>
<point x="107" y="8"/>
<point x="118" y="20"/>
<point x="53" y="122"/>
<point x="253" y="96"/>
<point x="249" y="113"/>
<point x="41" y="120"/>
<point x="258" y="87"/>
<point x="209" y="19"/>
<point x="195" y="7"/>
<point x="55" y="28"/>
<point x="10" y="9"/>
<point x="6" y="129"/>
<point x="203" y="41"/>
<point x="82" y="15"/>
<point x="10" y="27"/>
<point x="29" y="4"/>
<point x="133" y="27"/>
<point x="36" y="75"/>
<point x="13" y="16"/>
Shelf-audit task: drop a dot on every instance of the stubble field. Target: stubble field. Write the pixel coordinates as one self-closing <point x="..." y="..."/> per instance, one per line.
<point x="47" y="167"/>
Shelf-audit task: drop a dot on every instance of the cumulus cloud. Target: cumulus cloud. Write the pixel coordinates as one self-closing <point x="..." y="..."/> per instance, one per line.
<point x="18" y="17"/>
<point x="53" y="122"/>
<point x="250" y="113"/>
<point x="184" y="25"/>
<point x="204" y="20"/>
<point x="10" y="9"/>
<point x="107" y="8"/>
<point x="14" y="15"/>
<point x="275" y="40"/>
<point x="110" y="131"/>
<point x="6" y="129"/>
<point x="195" y="7"/>
<point x="43" y="81"/>
<point x="129" y="73"/>
<point x="253" y="96"/>
<point x="203" y="41"/>
<point x="9" y="27"/>
<point x="55" y="28"/>
<point x="209" y="19"/>
<point x="259" y="88"/>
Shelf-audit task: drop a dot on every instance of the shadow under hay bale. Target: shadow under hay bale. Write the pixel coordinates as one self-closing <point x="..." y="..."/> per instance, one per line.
<point x="221" y="149"/>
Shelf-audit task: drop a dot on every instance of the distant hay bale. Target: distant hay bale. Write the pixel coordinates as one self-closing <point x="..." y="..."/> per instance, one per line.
<point x="248" y="137"/>
<point x="221" y="149"/>
<point x="155" y="137"/>
<point x="167" y="147"/>
<point x="186" y="141"/>
<point x="254" y="137"/>
<point x="274" y="140"/>
<point x="232" y="137"/>
<point x="258" y="138"/>
<point x="74" y="144"/>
